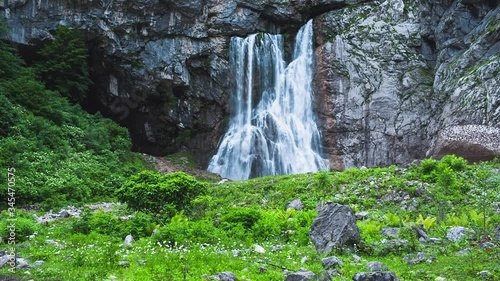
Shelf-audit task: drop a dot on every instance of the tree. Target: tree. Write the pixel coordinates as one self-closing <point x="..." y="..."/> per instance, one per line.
<point x="63" y="65"/>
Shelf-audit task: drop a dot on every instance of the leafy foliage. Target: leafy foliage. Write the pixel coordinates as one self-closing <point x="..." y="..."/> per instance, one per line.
<point x="63" y="64"/>
<point x="153" y="192"/>
<point x="61" y="154"/>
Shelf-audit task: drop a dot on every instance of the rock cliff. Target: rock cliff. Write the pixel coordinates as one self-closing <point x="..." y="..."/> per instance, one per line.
<point x="390" y="75"/>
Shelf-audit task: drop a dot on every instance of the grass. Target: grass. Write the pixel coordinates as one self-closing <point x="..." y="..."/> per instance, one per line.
<point x="218" y="231"/>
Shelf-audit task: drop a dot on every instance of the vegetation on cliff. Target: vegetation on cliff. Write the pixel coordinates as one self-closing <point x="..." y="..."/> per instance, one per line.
<point x="60" y="153"/>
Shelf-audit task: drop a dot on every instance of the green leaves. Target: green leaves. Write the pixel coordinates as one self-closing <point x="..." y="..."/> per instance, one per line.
<point x="64" y="65"/>
<point x="153" y="192"/>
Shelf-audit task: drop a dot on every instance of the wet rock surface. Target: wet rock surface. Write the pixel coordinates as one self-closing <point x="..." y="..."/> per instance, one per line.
<point x="391" y="76"/>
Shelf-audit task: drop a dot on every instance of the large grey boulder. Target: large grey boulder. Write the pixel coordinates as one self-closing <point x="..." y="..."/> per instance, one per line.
<point x="334" y="227"/>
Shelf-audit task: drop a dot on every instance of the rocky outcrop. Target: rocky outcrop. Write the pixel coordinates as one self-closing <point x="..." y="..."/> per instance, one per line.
<point x="473" y="142"/>
<point x="390" y="75"/>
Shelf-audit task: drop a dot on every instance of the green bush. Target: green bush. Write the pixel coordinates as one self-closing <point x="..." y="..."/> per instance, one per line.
<point x="457" y="164"/>
<point x="182" y="231"/>
<point x="153" y="192"/>
<point x="140" y="225"/>
<point x="246" y="217"/>
<point x="25" y="226"/>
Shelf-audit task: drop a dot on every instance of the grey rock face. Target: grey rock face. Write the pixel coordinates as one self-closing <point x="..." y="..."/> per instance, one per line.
<point x="375" y="88"/>
<point x="389" y="75"/>
<point x="334" y="227"/>
<point x="473" y="142"/>
<point x="301" y="275"/>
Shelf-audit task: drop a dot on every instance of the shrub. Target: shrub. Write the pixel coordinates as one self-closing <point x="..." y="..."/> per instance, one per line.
<point x="455" y="163"/>
<point x="24" y="226"/>
<point x="153" y="192"/>
<point x="246" y="217"/>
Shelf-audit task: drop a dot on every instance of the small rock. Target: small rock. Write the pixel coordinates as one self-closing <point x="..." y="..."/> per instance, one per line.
<point x="301" y="275"/>
<point x="458" y="232"/>
<point x="361" y="215"/>
<point x="4" y="259"/>
<point x="124" y="263"/>
<point x="487" y="245"/>
<point x="304" y="260"/>
<point x="21" y="263"/>
<point x="464" y="252"/>
<point x="420" y="257"/>
<point x="331" y="262"/>
<point x="55" y="243"/>
<point x="128" y="241"/>
<point x="390" y="232"/>
<point x="295" y="204"/>
<point x="64" y="214"/>
<point x="142" y="262"/>
<point x="259" y="249"/>
<point x="37" y="263"/>
<point x="376" y="266"/>
<point x="378" y="276"/>
<point x="420" y="233"/>
<point x="224" y="276"/>
<point x="277" y="248"/>
<point x="484" y="273"/>
<point x="439" y="278"/>
<point x="356" y="258"/>
<point x="434" y="240"/>
<point x="262" y="268"/>
<point x="223" y="181"/>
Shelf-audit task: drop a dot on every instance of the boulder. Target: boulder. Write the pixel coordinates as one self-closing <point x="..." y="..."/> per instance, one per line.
<point x="224" y="276"/>
<point x="376" y="266"/>
<point x="390" y="232"/>
<point x="458" y="232"/>
<point x="301" y="275"/>
<point x="375" y="276"/>
<point x="295" y="204"/>
<point x="412" y="259"/>
<point x="128" y="241"/>
<point x="331" y="262"/>
<point x="334" y="227"/>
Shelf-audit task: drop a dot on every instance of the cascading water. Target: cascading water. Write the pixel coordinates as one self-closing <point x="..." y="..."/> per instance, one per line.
<point x="272" y="128"/>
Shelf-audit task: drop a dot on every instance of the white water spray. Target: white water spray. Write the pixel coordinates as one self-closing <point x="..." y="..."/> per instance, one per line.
<point x="272" y="129"/>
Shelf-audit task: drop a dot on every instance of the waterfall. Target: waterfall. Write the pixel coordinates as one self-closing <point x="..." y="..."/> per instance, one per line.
<point x="272" y="129"/>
